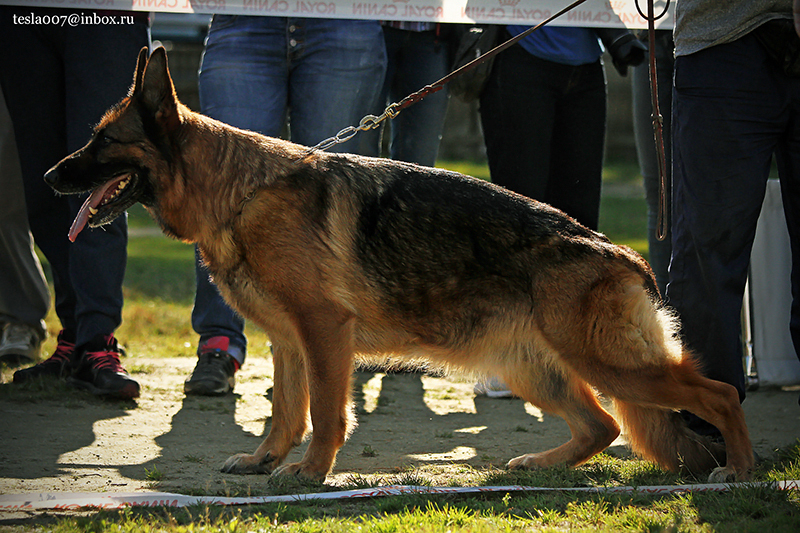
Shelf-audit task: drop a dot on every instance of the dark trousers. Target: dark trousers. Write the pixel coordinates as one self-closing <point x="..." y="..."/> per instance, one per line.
<point x="544" y="126"/>
<point x="58" y="81"/>
<point x="732" y="110"/>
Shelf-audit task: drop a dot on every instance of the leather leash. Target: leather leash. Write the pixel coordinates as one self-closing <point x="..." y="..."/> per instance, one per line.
<point x="662" y="227"/>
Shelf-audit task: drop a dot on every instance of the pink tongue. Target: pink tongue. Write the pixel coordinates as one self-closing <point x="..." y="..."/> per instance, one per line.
<point x="82" y="218"/>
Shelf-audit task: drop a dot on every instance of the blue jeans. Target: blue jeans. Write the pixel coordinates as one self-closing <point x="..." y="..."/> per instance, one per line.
<point x="415" y="59"/>
<point x="321" y="74"/>
<point x="726" y="127"/>
<point x="80" y="72"/>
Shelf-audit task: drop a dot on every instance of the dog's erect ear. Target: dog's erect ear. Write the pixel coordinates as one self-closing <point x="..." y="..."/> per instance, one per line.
<point x="156" y="90"/>
<point x="141" y="63"/>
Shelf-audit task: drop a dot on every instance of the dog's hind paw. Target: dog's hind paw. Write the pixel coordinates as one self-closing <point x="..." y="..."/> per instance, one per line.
<point x="244" y="463"/>
<point x="724" y="474"/>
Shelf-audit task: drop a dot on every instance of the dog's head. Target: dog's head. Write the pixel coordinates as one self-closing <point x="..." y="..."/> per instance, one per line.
<point x="129" y="149"/>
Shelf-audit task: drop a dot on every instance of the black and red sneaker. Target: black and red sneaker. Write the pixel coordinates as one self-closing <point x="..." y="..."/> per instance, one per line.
<point x="100" y="371"/>
<point x="58" y="365"/>
<point x="214" y="373"/>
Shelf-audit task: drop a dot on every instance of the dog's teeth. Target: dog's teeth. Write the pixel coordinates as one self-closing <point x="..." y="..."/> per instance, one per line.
<point x="92" y="210"/>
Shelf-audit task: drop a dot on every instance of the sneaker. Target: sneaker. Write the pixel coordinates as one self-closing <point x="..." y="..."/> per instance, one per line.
<point x="101" y="373"/>
<point x="493" y="388"/>
<point x="58" y="365"/>
<point x="19" y="344"/>
<point x="214" y="373"/>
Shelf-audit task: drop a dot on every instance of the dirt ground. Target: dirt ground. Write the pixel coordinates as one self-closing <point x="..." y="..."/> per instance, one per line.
<point x="75" y="443"/>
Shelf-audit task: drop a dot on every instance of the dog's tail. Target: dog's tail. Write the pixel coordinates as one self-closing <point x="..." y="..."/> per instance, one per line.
<point x="662" y="436"/>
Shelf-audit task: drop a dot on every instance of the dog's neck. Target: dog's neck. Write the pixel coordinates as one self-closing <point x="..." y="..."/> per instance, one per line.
<point x="214" y="176"/>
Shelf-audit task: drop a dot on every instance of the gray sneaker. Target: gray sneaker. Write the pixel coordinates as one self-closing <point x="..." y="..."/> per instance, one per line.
<point x="20" y="344"/>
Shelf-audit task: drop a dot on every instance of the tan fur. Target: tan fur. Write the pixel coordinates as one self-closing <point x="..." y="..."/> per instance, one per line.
<point x="338" y="256"/>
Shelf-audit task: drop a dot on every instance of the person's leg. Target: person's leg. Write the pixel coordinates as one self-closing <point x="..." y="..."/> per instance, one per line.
<point x="725" y="130"/>
<point x="337" y="71"/>
<point x="578" y="145"/>
<point x="788" y="162"/>
<point x="243" y="79"/>
<point x="94" y="82"/>
<point x="659" y="251"/>
<point x="417" y="130"/>
<point x="24" y="297"/>
<point x="517" y="111"/>
<point x="370" y="142"/>
<point x="35" y="101"/>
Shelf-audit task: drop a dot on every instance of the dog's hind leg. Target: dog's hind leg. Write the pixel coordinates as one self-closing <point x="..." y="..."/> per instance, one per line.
<point x="328" y="339"/>
<point x="569" y="397"/>
<point x="630" y="351"/>
<point x="290" y="401"/>
<point x="661" y="434"/>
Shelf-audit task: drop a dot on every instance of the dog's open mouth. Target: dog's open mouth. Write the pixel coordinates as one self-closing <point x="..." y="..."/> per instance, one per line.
<point x="105" y="203"/>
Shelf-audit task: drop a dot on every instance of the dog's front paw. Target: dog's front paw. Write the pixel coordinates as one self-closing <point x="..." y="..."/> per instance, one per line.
<point x="531" y="461"/>
<point x="244" y="463"/>
<point x="301" y="471"/>
<point x="725" y="474"/>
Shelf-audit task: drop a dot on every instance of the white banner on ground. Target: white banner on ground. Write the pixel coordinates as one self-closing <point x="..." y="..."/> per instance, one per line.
<point x="592" y="13"/>
<point x="110" y="500"/>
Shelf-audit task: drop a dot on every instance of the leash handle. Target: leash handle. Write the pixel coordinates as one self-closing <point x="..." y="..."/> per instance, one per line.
<point x="392" y="110"/>
<point x="662" y="226"/>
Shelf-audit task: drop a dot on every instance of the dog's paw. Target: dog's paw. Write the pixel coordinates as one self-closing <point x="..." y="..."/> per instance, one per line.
<point x="300" y="470"/>
<point x="725" y="474"/>
<point x="244" y="463"/>
<point x="530" y="461"/>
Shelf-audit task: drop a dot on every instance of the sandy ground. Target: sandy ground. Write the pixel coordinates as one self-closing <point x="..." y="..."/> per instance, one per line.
<point x="77" y="443"/>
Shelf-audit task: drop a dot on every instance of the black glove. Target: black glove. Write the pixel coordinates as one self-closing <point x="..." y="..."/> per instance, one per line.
<point x="623" y="46"/>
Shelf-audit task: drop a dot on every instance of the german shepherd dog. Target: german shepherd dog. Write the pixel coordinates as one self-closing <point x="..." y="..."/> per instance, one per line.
<point x="337" y="256"/>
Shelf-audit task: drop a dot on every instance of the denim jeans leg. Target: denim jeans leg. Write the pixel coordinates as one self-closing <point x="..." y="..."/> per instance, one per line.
<point x="337" y="70"/>
<point x="243" y="74"/>
<point x="243" y="83"/>
<point x="94" y="83"/>
<point x="420" y="59"/>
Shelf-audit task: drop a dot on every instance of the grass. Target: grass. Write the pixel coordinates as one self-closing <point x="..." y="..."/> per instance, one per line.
<point x="753" y="509"/>
<point x="159" y="289"/>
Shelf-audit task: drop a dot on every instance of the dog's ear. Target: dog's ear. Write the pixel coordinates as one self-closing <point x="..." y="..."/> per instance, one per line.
<point x="141" y="63"/>
<point x="157" y="92"/>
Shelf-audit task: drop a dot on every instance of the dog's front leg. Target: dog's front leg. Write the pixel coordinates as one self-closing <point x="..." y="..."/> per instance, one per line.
<point x="328" y="337"/>
<point x="289" y="415"/>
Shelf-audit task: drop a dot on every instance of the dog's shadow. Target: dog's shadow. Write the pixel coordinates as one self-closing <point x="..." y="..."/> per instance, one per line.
<point x="404" y="426"/>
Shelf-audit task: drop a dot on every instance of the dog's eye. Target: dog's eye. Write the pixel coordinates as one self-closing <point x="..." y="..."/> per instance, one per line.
<point x="105" y="139"/>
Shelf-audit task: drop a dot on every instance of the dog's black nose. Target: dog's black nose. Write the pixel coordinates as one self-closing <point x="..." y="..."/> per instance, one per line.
<point x="51" y="176"/>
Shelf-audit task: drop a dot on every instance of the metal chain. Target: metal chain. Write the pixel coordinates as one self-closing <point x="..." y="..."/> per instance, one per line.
<point x="367" y="123"/>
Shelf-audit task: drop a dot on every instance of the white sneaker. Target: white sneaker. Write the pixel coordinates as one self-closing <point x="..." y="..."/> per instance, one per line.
<point x="493" y="388"/>
<point x="20" y="344"/>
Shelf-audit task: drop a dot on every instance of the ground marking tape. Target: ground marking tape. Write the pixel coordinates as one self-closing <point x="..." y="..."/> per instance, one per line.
<point x="78" y="500"/>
